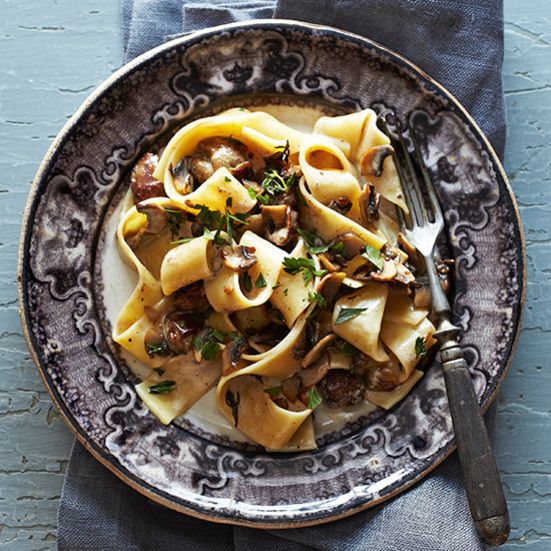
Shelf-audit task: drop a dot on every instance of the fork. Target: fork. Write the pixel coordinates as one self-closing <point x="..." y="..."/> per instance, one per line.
<point x="422" y="227"/>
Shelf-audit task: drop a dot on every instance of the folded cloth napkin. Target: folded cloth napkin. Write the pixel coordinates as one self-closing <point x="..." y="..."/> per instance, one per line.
<point x="460" y="44"/>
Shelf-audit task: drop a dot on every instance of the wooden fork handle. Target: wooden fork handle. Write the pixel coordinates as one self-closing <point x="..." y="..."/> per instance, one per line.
<point x="486" y="499"/>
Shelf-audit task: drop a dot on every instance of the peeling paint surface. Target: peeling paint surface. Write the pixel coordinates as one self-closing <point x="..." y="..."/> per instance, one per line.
<point x="52" y="54"/>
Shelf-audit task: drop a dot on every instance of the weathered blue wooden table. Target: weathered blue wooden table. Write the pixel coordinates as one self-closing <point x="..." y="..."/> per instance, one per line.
<point x="52" y="53"/>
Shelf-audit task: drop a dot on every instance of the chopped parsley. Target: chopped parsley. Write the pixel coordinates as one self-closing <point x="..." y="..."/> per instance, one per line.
<point x="348" y="350"/>
<point x="260" y="281"/>
<point x="273" y="390"/>
<point x="157" y="349"/>
<point x="314" y="398"/>
<point x="208" y="343"/>
<point x="247" y="282"/>
<point x="182" y="240"/>
<point x="163" y="387"/>
<point x="173" y="218"/>
<point x="263" y="199"/>
<point x="346" y="314"/>
<point x="215" y="221"/>
<point x="312" y="241"/>
<point x="420" y="347"/>
<point x="305" y="265"/>
<point x="233" y="403"/>
<point x="274" y="183"/>
<point x="313" y="296"/>
<point x="374" y="256"/>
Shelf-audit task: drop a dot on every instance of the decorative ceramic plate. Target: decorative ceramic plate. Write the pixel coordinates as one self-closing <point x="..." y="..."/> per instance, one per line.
<point x="297" y="72"/>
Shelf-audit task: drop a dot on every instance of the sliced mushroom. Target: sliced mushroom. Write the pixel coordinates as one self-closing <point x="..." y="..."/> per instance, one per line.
<point x="341" y="204"/>
<point x="388" y="273"/>
<point x="240" y="258"/>
<point x="341" y="388"/>
<point x="179" y="330"/>
<point x="214" y="153"/>
<point x="290" y="387"/>
<point x="191" y="298"/>
<point x="313" y="374"/>
<point x="372" y="161"/>
<point x="142" y="183"/>
<point x="369" y="201"/>
<point x="422" y="297"/>
<point x="232" y="354"/>
<point x="181" y="177"/>
<point x="156" y="218"/>
<point x="353" y="245"/>
<point x="414" y="258"/>
<point x="319" y="348"/>
<point x="330" y="284"/>
<point x="280" y="223"/>
<point x="403" y="274"/>
<point x="243" y="171"/>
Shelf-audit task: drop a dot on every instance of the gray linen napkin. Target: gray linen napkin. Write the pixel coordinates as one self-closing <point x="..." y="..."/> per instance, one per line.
<point x="458" y="42"/>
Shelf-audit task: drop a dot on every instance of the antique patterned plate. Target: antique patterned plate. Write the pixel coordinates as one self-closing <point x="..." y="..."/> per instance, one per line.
<point x="68" y="289"/>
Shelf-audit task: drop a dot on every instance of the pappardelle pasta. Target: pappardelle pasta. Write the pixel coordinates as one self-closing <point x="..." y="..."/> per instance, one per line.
<point x="270" y="266"/>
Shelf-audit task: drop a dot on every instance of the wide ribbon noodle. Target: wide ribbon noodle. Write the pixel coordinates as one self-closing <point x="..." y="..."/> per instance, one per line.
<point x="269" y="264"/>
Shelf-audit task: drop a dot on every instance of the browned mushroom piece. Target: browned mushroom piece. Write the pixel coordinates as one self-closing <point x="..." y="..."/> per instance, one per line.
<point x="280" y="223"/>
<point x="414" y="258"/>
<point x="403" y="274"/>
<point x="353" y="245"/>
<point x="290" y="388"/>
<point x="372" y="161"/>
<point x="443" y="271"/>
<point x="341" y="388"/>
<point x="240" y="258"/>
<point x="181" y="177"/>
<point x="179" y="330"/>
<point x="381" y="378"/>
<point x="142" y="182"/>
<point x="314" y="373"/>
<point x="369" y="201"/>
<point x="341" y="204"/>
<point x="214" y="153"/>
<point x="156" y="218"/>
<point x="422" y="297"/>
<point x="330" y="284"/>
<point x="232" y="354"/>
<point x="388" y="273"/>
<point x="319" y="348"/>
<point x="191" y="298"/>
<point x="243" y="171"/>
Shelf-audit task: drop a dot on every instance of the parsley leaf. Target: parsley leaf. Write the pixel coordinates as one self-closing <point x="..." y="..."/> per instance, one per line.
<point x="313" y="296"/>
<point x="273" y="390"/>
<point x="208" y="343"/>
<point x="247" y="282"/>
<point x="314" y="399"/>
<point x="273" y="183"/>
<point x="346" y="314"/>
<point x="420" y="347"/>
<point x="182" y="240"/>
<point x="173" y="218"/>
<point x="260" y="281"/>
<point x="157" y="349"/>
<point x="163" y="387"/>
<point x="305" y="265"/>
<point x="312" y="241"/>
<point x="374" y="256"/>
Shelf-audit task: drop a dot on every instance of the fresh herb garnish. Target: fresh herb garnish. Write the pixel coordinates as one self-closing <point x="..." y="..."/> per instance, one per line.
<point x="312" y="241"/>
<point x="420" y="347"/>
<point x="164" y="387"/>
<point x="208" y="343"/>
<point x="260" y="281"/>
<point x="214" y="220"/>
<point x="182" y="240"/>
<point x="374" y="256"/>
<point x="346" y="314"/>
<point x="247" y="282"/>
<point x="273" y="390"/>
<point x="233" y="403"/>
<point x="314" y="398"/>
<point x="348" y="350"/>
<point x="157" y="349"/>
<point x="159" y="370"/>
<point x="173" y="218"/>
<point x="305" y="265"/>
<point x="226" y="179"/>
<point x="273" y="183"/>
<point x="313" y="296"/>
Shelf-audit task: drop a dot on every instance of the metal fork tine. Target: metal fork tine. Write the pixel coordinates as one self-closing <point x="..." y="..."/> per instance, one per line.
<point x="419" y="202"/>
<point x="433" y="198"/>
<point x="413" y="217"/>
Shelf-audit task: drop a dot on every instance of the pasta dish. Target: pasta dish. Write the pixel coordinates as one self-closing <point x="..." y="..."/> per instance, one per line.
<point x="270" y="266"/>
